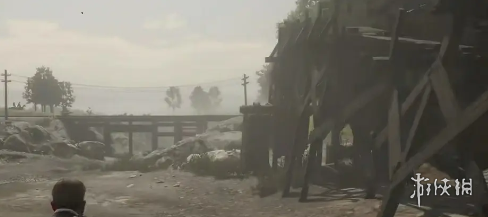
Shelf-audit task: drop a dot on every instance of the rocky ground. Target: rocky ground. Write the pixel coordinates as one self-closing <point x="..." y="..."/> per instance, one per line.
<point x="26" y="180"/>
<point x="156" y="184"/>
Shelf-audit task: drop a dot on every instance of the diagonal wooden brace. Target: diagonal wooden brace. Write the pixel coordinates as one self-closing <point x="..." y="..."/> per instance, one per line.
<point x="359" y="102"/>
<point x="453" y="128"/>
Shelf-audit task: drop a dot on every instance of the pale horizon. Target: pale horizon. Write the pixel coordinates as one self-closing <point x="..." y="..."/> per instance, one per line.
<point x="139" y="44"/>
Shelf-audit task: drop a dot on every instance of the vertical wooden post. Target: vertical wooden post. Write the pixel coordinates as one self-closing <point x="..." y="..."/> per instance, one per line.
<point x="178" y="132"/>
<point x="131" y="147"/>
<point x="335" y="142"/>
<point x="201" y="126"/>
<point x="107" y="133"/>
<point x="6" y="81"/>
<point x="154" y="136"/>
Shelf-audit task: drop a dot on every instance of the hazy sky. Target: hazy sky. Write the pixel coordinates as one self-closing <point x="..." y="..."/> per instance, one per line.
<point x="139" y="43"/>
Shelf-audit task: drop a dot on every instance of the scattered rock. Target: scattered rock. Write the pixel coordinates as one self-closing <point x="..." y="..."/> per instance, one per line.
<point x="176" y="185"/>
<point x="38" y="134"/>
<point x="63" y="149"/>
<point x="160" y="181"/>
<point x="17" y="143"/>
<point x="130" y="186"/>
<point x="132" y="176"/>
<point x="92" y="149"/>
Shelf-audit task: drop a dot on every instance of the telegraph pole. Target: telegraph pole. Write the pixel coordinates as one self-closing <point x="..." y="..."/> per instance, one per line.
<point x="244" y="83"/>
<point x="5" y="80"/>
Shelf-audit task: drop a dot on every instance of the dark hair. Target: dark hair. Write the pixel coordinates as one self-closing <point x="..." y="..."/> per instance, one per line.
<point x="68" y="193"/>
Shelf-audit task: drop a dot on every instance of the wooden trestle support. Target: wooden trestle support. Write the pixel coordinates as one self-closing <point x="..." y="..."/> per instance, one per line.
<point x="307" y="95"/>
<point x="403" y="158"/>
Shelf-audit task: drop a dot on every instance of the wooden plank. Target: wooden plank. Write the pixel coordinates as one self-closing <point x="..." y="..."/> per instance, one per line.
<point x="443" y="90"/>
<point x="149" y="118"/>
<point x="394" y="133"/>
<point x="467" y="117"/>
<point x="126" y="128"/>
<point x="275" y="49"/>
<point x="416" y="121"/>
<point x="417" y="90"/>
<point x="355" y="105"/>
<point x="159" y="124"/>
<point x="395" y="34"/>
<point x="172" y="134"/>
<point x="271" y="59"/>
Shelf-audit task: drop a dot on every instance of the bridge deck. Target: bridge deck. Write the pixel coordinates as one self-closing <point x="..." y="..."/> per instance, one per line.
<point x="138" y="118"/>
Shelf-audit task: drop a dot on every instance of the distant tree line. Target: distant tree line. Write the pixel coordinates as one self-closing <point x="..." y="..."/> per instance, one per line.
<point x="45" y="90"/>
<point x="203" y="101"/>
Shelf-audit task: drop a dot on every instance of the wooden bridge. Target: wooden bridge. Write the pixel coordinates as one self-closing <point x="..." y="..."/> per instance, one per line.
<point x="183" y="126"/>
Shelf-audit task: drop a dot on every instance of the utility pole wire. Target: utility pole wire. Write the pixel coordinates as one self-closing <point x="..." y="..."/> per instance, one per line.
<point x="142" y="87"/>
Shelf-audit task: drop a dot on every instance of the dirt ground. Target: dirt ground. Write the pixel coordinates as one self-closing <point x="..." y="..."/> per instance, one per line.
<point x="25" y="186"/>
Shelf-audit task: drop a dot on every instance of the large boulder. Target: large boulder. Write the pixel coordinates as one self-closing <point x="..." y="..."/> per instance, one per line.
<point x="218" y="163"/>
<point x="63" y="149"/>
<point x="21" y="124"/>
<point x="177" y="153"/>
<point x="92" y="149"/>
<point x="17" y="143"/>
<point x="42" y="149"/>
<point x="38" y="134"/>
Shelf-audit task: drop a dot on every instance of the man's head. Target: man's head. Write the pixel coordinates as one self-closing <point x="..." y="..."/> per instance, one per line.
<point x="69" y="194"/>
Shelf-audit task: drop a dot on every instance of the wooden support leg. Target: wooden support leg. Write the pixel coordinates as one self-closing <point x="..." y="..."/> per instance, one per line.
<point x="335" y="142"/>
<point x="479" y="187"/>
<point x="154" y="137"/>
<point x="178" y="132"/>
<point x="291" y="161"/>
<point x="311" y="163"/>
<point x="107" y="134"/>
<point x="391" y="200"/>
<point x="294" y="155"/>
<point x="274" y="161"/>
<point x="372" y="182"/>
<point x="364" y="162"/>
<point x="131" y="140"/>
<point x="319" y="157"/>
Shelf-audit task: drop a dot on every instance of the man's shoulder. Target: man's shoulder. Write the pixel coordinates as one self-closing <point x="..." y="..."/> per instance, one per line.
<point x="65" y="213"/>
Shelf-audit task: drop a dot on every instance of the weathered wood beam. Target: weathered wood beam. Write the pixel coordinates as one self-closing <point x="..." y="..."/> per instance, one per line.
<point x="467" y="117"/>
<point x="143" y="118"/>
<point x="416" y="121"/>
<point x="271" y="59"/>
<point x="355" y="105"/>
<point x="131" y="139"/>
<point x="394" y="133"/>
<point x="395" y="35"/>
<point x="154" y="136"/>
<point x="314" y="147"/>
<point x="316" y="22"/>
<point x="443" y="90"/>
<point x="382" y="136"/>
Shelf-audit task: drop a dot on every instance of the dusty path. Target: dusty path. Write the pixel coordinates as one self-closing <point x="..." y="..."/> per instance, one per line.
<point x="25" y="191"/>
